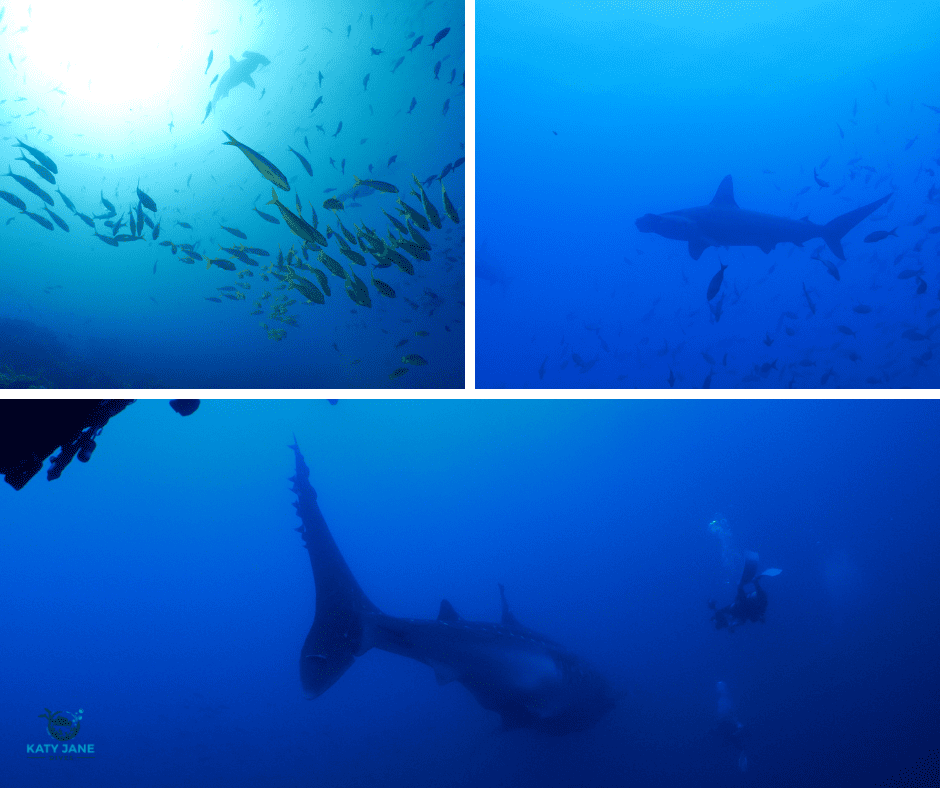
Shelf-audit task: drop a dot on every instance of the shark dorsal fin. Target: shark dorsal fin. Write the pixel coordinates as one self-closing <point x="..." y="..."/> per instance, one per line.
<point x="509" y="620"/>
<point x="447" y="612"/>
<point x="725" y="194"/>
<point x="231" y="61"/>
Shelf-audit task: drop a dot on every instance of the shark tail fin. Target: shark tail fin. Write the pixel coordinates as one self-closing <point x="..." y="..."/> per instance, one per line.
<point x="834" y="231"/>
<point x="341" y="628"/>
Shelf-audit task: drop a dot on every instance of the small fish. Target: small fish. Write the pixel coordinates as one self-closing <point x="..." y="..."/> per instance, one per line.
<point x="821" y="183"/>
<point x="214" y="80"/>
<point x="339" y="128"/>
<point x="841" y="133"/>
<point x="715" y="285"/>
<point x="13" y="200"/>
<point x="934" y="230"/>
<point x="156" y="231"/>
<point x="417" y="41"/>
<point x="267" y="217"/>
<point x="187" y="225"/>
<point x="26" y="183"/>
<point x="672" y="378"/>
<point x="213" y="298"/>
<point x="68" y="203"/>
<point x="918" y="220"/>
<point x="399" y="372"/>
<point x="320" y="77"/>
<point x="831" y="268"/>
<point x="302" y="159"/>
<point x="910" y="273"/>
<point x="211" y="52"/>
<point x="39" y="156"/>
<point x="413" y="358"/>
<point x="208" y="111"/>
<point x="826" y="375"/>
<point x="398" y="63"/>
<point x="414" y="103"/>
<point x="235" y="232"/>
<point x="107" y="240"/>
<point x="57" y="219"/>
<point x="914" y="335"/>
<point x="802" y="191"/>
<point x="266" y="168"/>
<point x="449" y="207"/>
<point x="39" y="219"/>
<point x="809" y="301"/>
<point x="437" y="69"/>
<point x="845" y="330"/>
<point x="148" y="203"/>
<point x="438" y="37"/>
<point x="446" y="106"/>
<point x="365" y="83"/>
<point x="879" y="235"/>
<point x="910" y="142"/>
<point x="391" y="160"/>
<point x="921" y="284"/>
<point x="317" y="103"/>
<point x="862" y="309"/>
<point x="41" y="171"/>
<point x="453" y="74"/>
<point x="332" y="204"/>
<point x="380" y="186"/>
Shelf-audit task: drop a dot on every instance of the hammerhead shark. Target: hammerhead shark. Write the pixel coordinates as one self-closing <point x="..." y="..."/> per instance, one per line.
<point x="239" y="71"/>
<point x="525" y="677"/>
<point x="723" y="223"/>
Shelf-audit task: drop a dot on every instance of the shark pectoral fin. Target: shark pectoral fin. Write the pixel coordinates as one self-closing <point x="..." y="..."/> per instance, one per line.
<point x="249" y="81"/>
<point x="444" y="674"/>
<point x="697" y="246"/>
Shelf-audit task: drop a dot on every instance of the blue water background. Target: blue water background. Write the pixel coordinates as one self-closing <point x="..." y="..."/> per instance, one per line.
<point x="77" y="313"/>
<point x="162" y="589"/>
<point x="653" y="105"/>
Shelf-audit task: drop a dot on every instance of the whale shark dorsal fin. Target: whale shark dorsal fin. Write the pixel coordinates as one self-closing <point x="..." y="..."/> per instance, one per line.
<point x="508" y="619"/>
<point x="447" y="612"/>
<point x="725" y="194"/>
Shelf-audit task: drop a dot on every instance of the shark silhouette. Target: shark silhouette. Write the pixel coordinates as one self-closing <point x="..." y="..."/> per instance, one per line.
<point x="239" y="71"/>
<point x="529" y="680"/>
<point x="723" y="223"/>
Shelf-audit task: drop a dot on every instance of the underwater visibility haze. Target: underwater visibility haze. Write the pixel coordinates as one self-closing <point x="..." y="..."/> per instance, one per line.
<point x="232" y="194"/>
<point x="707" y="194"/>
<point x="644" y="593"/>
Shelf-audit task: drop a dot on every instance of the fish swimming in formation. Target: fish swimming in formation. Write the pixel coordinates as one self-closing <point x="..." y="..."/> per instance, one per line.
<point x="39" y="220"/>
<point x="39" y="156"/>
<point x="265" y="167"/>
<point x="209" y="63"/>
<point x="41" y="171"/>
<point x="267" y="217"/>
<point x="26" y="183"/>
<point x="414" y="103"/>
<point x="13" y="200"/>
<point x="148" y="203"/>
<point x="235" y="232"/>
<point x="723" y="223"/>
<point x="339" y="128"/>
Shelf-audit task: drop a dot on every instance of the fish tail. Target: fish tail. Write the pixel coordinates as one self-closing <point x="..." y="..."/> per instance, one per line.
<point x="341" y="629"/>
<point x="231" y="139"/>
<point x="834" y="231"/>
<point x="273" y="200"/>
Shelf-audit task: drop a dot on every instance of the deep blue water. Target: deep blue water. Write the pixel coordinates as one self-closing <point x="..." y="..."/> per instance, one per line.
<point x="161" y="590"/>
<point x="120" y="93"/>
<point x="594" y="114"/>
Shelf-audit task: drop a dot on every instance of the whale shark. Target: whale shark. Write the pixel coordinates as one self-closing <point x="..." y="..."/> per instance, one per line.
<point x="239" y="71"/>
<point x="531" y="681"/>
<point x="723" y="223"/>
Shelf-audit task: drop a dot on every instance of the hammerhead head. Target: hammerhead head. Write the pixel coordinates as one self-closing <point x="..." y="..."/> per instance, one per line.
<point x="723" y="223"/>
<point x="529" y="680"/>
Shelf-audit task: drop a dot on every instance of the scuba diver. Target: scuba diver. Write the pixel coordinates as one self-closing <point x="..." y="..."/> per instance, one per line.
<point x="748" y="605"/>
<point x="731" y="731"/>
